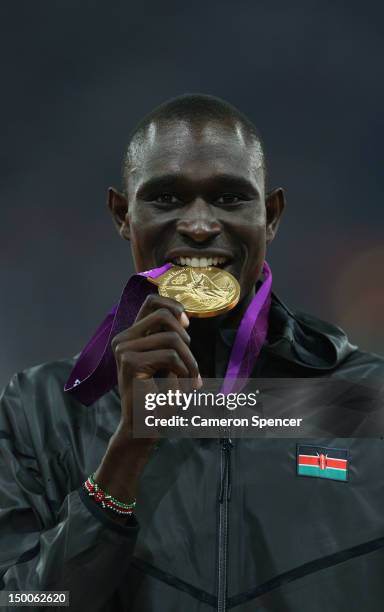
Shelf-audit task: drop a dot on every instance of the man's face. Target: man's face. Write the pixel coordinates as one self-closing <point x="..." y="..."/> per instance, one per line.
<point x="196" y="197"/>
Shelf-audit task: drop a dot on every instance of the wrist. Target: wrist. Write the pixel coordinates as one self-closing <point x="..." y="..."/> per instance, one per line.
<point x="103" y="497"/>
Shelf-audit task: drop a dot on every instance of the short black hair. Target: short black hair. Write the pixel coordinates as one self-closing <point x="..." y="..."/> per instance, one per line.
<point x="192" y="107"/>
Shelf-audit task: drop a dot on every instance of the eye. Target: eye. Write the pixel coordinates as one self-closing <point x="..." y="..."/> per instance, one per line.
<point x="166" y="198"/>
<point x="228" y="198"/>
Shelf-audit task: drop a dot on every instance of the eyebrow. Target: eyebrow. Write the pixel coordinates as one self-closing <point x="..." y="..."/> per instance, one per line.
<point x="174" y="180"/>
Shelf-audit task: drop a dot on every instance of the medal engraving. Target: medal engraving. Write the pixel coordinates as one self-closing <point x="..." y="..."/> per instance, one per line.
<point x="204" y="292"/>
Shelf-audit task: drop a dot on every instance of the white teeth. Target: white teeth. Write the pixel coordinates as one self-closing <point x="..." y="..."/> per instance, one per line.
<point x="199" y="262"/>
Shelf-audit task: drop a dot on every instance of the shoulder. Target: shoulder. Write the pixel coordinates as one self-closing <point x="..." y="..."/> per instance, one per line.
<point x="317" y="345"/>
<point x="32" y="394"/>
<point x="36" y="414"/>
<point x="48" y="375"/>
<point x="364" y="364"/>
<point x="39" y="382"/>
<point x="351" y="360"/>
<point x="351" y="352"/>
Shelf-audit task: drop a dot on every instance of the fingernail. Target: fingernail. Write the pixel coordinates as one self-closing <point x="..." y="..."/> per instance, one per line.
<point x="184" y="320"/>
<point x="199" y="382"/>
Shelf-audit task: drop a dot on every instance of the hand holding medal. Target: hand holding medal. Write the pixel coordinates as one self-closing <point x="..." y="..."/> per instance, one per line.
<point x="94" y="373"/>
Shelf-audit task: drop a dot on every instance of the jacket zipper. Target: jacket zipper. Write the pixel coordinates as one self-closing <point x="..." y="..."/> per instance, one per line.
<point x="224" y="498"/>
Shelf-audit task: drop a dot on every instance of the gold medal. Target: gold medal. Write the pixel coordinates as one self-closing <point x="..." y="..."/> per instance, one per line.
<point x="204" y="292"/>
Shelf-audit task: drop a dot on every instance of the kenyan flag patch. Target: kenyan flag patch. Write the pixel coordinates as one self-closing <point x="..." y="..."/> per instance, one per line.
<point x="322" y="462"/>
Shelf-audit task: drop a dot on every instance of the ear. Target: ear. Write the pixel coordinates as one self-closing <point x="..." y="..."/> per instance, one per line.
<point x="118" y="205"/>
<point x="274" y="204"/>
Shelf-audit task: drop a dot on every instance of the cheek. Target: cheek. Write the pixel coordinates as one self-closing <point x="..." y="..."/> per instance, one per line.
<point x="142" y="222"/>
<point x="143" y="241"/>
<point x="252" y="270"/>
<point x="246" y="219"/>
<point x="251" y="235"/>
<point x="256" y="250"/>
<point x="250" y="232"/>
<point x="140" y="214"/>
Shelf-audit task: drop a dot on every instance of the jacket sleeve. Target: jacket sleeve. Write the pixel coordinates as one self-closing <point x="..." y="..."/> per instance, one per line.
<point x="76" y="547"/>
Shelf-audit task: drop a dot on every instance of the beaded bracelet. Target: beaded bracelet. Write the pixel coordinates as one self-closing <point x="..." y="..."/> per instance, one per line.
<point x="105" y="500"/>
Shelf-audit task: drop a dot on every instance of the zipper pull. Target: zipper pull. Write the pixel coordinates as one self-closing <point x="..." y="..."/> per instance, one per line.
<point x="226" y="447"/>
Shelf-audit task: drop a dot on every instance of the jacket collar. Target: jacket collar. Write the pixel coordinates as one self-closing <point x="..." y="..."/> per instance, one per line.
<point x="301" y="339"/>
<point x="304" y="339"/>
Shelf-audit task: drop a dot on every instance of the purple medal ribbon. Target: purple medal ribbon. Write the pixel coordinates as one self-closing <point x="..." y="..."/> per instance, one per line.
<point x="250" y="336"/>
<point x="94" y="372"/>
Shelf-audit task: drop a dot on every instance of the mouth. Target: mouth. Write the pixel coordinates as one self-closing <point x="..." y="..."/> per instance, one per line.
<point x="200" y="262"/>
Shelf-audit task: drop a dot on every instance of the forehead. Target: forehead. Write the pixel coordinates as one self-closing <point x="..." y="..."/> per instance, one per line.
<point x="195" y="151"/>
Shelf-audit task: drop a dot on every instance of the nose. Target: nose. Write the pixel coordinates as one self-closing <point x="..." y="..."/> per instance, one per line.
<point x="198" y="223"/>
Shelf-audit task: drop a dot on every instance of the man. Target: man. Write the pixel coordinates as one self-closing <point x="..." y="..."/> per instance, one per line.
<point x="205" y="534"/>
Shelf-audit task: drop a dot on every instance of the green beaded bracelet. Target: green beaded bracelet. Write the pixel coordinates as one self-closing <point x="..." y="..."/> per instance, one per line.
<point x="109" y="497"/>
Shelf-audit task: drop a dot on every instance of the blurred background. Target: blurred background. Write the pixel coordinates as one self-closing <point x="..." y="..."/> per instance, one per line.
<point x="77" y="76"/>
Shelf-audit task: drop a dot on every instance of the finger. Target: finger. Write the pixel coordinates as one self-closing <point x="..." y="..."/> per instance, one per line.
<point x="181" y="384"/>
<point x="152" y="361"/>
<point x="154" y="302"/>
<point x="151" y="344"/>
<point x="157" y="321"/>
<point x="171" y="382"/>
